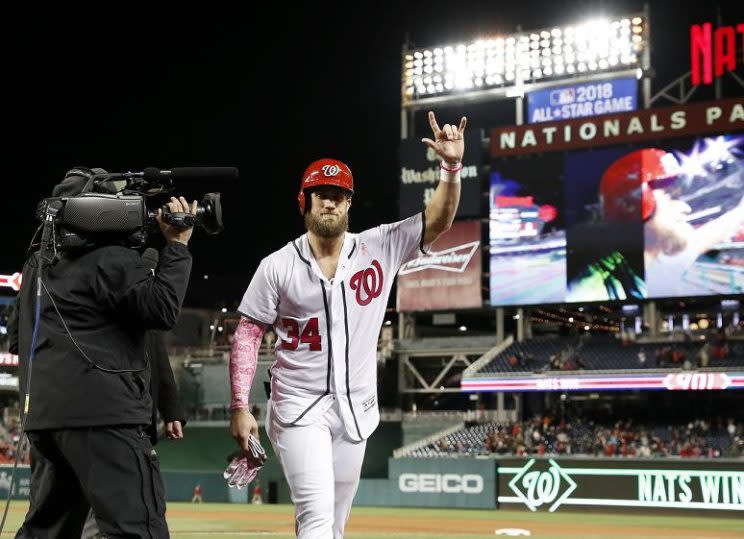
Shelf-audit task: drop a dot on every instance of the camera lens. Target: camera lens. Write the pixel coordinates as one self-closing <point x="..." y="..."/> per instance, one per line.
<point x="209" y="213"/>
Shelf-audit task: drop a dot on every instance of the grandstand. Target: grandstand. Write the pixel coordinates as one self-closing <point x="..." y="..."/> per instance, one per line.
<point x="610" y="352"/>
<point x="586" y="438"/>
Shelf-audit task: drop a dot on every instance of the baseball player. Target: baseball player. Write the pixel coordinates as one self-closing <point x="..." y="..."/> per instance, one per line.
<point x="633" y="189"/>
<point x="325" y="295"/>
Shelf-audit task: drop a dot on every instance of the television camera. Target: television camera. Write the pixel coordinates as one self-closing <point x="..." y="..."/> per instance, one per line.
<point x="93" y="207"/>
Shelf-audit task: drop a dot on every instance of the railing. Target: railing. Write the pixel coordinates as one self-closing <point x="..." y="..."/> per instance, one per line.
<point x="403" y="451"/>
<point x="444" y="415"/>
<point x="486" y="358"/>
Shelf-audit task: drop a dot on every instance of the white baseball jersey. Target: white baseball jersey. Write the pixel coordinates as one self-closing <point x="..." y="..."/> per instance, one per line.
<point x="327" y="330"/>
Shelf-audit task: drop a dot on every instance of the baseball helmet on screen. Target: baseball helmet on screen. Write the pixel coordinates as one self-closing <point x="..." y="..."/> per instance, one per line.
<point x="626" y="187"/>
<point x="325" y="172"/>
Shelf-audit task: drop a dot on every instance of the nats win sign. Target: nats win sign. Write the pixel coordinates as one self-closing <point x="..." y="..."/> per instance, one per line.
<point x="448" y="276"/>
<point x="552" y="484"/>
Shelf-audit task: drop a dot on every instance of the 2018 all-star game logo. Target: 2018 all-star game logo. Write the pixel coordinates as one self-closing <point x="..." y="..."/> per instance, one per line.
<point x="454" y="259"/>
<point x="541" y="487"/>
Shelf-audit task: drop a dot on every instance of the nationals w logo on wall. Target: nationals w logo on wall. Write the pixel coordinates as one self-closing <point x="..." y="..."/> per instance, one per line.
<point x="542" y="487"/>
<point x="367" y="283"/>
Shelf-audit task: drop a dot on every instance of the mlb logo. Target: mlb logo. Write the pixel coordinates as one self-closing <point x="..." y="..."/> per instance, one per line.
<point x="562" y="97"/>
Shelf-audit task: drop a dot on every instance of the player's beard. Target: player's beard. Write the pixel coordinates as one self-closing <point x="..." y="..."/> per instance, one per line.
<point x="326" y="228"/>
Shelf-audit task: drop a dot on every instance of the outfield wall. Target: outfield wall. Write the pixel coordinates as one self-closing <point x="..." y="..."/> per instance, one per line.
<point x="548" y="484"/>
<point x="531" y="484"/>
<point x="674" y="484"/>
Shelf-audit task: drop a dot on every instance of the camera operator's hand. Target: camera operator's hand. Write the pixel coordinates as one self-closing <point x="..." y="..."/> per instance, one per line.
<point x="174" y="430"/>
<point x="170" y="232"/>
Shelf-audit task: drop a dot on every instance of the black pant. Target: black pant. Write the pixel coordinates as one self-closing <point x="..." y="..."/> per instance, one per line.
<point x="113" y="470"/>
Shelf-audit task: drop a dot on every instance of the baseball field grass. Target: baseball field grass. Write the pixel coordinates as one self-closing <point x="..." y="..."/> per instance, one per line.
<point x="234" y="521"/>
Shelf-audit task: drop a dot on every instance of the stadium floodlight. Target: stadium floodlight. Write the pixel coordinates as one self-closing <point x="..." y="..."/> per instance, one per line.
<point x="539" y="56"/>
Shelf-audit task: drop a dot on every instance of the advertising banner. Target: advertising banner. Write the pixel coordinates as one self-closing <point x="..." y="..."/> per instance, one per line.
<point x="419" y="177"/>
<point x="21" y="485"/>
<point x="554" y="484"/>
<point x="582" y="100"/>
<point x="681" y="381"/>
<point x="448" y="276"/>
<point x="422" y="482"/>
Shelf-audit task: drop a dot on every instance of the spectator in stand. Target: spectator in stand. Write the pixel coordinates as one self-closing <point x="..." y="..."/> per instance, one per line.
<point x="563" y="443"/>
<point x="659" y="356"/>
<point x="720" y="344"/>
<point x="687" y="339"/>
<point x="580" y="362"/>
<point x="704" y="355"/>
<point x="490" y="441"/>
<point x="536" y="436"/>
<point x="567" y="365"/>
<point x="529" y="361"/>
<point x="641" y="358"/>
<point x="644" y="450"/>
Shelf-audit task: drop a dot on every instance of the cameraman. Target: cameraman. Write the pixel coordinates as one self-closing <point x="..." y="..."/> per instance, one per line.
<point x="89" y="402"/>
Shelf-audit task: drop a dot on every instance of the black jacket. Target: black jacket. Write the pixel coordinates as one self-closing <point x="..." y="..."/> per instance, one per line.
<point x="108" y="298"/>
<point x="163" y="387"/>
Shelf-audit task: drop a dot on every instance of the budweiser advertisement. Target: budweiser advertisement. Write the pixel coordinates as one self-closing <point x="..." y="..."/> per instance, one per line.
<point x="448" y="276"/>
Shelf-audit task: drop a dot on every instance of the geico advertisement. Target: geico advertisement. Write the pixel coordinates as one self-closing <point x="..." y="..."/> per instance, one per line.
<point x="442" y="482"/>
<point x="450" y="483"/>
<point x="685" y="485"/>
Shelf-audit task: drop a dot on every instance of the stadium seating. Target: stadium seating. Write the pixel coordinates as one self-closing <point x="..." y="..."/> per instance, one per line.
<point x="605" y="352"/>
<point x="622" y="439"/>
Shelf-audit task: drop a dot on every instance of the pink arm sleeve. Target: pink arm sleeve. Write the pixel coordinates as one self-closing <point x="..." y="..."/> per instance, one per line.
<point x="243" y="360"/>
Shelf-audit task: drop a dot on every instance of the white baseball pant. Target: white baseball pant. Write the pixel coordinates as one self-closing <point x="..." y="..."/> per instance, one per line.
<point x="322" y="467"/>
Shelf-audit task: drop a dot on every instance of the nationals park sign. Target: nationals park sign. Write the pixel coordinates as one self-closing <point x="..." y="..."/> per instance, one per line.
<point x="693" y="119"/>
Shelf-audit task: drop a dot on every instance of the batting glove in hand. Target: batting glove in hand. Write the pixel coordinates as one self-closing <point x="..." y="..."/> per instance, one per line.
<point x="244" y="468"/>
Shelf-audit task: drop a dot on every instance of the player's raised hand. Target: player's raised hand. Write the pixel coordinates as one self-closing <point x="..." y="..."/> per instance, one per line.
<point x="448" y="142"/>
<point x="242" y="423"/>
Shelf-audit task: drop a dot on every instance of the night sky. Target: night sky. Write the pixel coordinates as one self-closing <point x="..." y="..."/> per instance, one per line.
<point x="170" y="86"/>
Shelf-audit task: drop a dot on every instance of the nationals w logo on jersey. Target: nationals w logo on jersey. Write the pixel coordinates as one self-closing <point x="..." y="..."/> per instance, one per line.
<point x="331" y="170"/>
<point x="367" y="283"/>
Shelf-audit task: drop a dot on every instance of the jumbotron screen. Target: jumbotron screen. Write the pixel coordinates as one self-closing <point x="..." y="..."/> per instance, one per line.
<point x="619" y="223"/>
